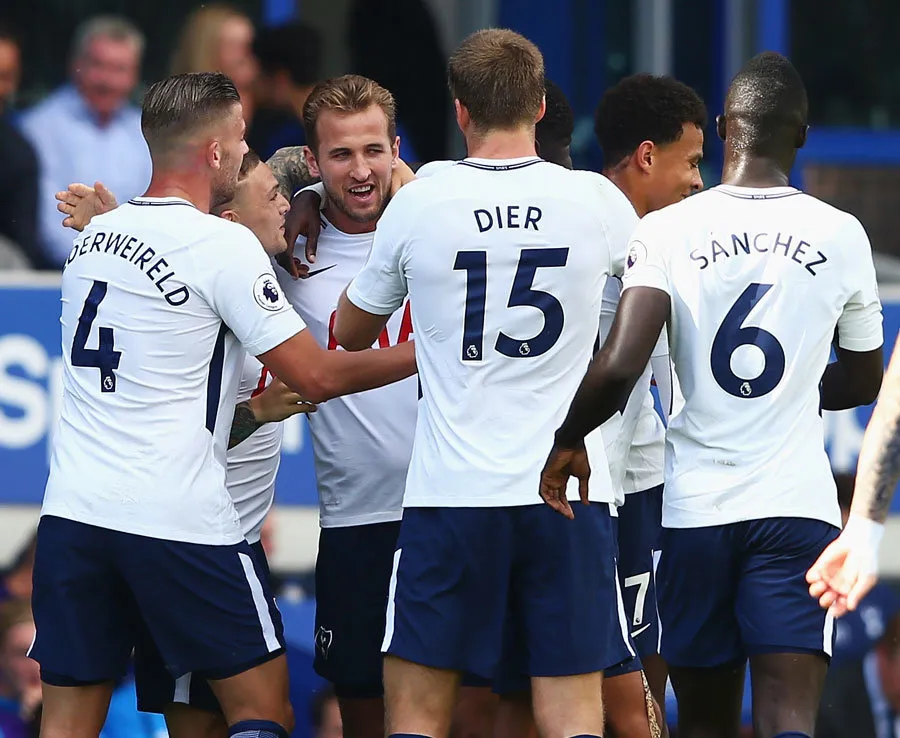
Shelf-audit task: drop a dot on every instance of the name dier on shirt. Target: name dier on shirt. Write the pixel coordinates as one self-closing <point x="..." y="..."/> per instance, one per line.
<point x="122" y="245"/>
<point x="798" y="251"/>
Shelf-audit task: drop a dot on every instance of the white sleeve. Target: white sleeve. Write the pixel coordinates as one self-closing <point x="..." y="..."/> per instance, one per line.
<point x="617" y="217"/>
<point x="661" y="366"/>
<point x="608" y="304"/>
<point x="245" y="293"/>
<point x="860" y="323"/>
<point x="646" y="265"/>
<point x="380" y="287"/>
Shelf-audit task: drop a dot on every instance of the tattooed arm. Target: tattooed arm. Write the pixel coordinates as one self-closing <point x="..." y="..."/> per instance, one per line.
<point x="878" y="470"/>
<point x="848" y="568"/>
<point x="274" y="404"/>
<point x="290" y="169"/>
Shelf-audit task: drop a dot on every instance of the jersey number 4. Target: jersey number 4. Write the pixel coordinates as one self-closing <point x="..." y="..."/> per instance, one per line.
<point x="474" y="263"/>
<point x="104" y="357"/>
<point x="733" y="334"/>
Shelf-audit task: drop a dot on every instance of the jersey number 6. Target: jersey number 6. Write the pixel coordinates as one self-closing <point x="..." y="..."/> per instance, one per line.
<point x="105" y="357"/>
<point x="732" y="334"/>
<point x="474" y="263"/>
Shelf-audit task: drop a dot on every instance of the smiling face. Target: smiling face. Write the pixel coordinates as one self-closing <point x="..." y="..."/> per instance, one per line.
<point x="675" y="170"/>
<point x="259" y="205"/>
<point x="354" y="155"/>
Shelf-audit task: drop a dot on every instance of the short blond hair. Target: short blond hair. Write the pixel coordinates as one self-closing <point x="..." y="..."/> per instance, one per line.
<point x="350" y="93"/>
<point x="498" y="76"/>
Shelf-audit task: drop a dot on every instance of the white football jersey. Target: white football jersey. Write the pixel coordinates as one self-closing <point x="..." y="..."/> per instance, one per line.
<point x="253" y="463"/>
<point x="504" y="263"/>
<point x="157" y="299"/>
<point x="759" y="280"/>
<point x="362" y="442"/>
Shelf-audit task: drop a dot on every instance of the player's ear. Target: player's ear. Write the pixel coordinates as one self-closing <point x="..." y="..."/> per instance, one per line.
<point x="543" y="111"/>
<point x="643" y="156"/>
<point x="311" y="162"/>
<point x="462" y="116"/>
<point x="214" y="155"/>
<point x="802" y="133"/>
<point x="720" y="126"/>
<point x="230" y="215"/>
<point x="395" y="151"/>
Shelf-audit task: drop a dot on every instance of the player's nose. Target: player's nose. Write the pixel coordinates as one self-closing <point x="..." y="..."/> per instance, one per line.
<point x="696" y="181"/>
<point x="283" y="204"/>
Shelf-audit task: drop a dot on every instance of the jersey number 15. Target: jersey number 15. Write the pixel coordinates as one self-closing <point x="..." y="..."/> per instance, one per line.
<point x="104" y="357"/>
<point x="474" y="263"/>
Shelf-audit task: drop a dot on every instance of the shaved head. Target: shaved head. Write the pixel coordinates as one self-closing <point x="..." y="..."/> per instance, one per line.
<point x="766" y="106"/>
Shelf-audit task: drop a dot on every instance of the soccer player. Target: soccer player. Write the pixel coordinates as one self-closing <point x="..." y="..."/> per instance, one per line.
<point x="504" y="258"/>
<point x="752" y="277"/>
<point x="254" y="453"/>
<point x="137" y="525"/>
<point x="650" y="130"/>
<point x="848" y="569"/>
<point x="361" y="443"/>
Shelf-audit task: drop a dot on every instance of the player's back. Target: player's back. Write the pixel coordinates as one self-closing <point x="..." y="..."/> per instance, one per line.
<point x="505" y="268"/>
<point x="760" y="279"/>
<point x="149" y="375"/>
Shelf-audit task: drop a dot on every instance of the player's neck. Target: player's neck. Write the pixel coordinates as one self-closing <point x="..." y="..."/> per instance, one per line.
<point x="344" y="223"/>
<point x="195" y="190"/>
<point x="754" y="171"/>
<point x="623" y="178"/>
<point x="515" y="144"/>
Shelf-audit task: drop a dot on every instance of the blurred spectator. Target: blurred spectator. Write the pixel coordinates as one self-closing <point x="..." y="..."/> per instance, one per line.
<point x="10" y="67"/>
<point x="218" y="38"/>
<point x="20" y="677"/>
<point x="325" y="714"/>
<point x="87" y="131"/>
<point x="290" y="60"/>
<point x="16" y="583"/>
<point x="18" y="169"/>
<point x="862" y="698"/>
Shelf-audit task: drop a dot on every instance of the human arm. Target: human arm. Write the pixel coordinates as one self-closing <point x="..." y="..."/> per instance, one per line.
<point x="855" y="378"/>
<point x="275" y="403"/>
<point x="380" y="287"/>
<point x="848" y="568"/>
<point x="80" y="203"/>
<point x="292" y="172"/>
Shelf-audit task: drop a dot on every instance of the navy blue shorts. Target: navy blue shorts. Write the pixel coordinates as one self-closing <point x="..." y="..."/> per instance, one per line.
<point x="353" y="575"/>
<point x="156" y="688"/>
<point x="731" y="591"/>
<point x="458" y="573"/>
<point x="205" y="607"/>
<point x="640" y="523"/>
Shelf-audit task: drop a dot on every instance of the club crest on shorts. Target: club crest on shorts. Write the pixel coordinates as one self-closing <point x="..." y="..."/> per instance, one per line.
<point x="267" y="293"/>
<point x="324" y="637"/>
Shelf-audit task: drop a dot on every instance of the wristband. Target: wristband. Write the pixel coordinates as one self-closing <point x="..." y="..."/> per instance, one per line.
<point x="862" y="531"/>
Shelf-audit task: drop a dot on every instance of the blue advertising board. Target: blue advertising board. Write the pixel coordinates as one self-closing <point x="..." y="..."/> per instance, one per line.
<point x="30" y="385"/>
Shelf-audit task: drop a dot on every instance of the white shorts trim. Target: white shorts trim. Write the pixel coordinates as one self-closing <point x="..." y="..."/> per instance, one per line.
<point x="261" y="603"/>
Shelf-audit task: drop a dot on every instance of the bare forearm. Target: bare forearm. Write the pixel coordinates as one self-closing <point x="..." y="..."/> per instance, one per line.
<point x="244" y="424"/>
<point x="357" y="371"/>
<point x="601" y="394"/>
<point x="879" y="459"/>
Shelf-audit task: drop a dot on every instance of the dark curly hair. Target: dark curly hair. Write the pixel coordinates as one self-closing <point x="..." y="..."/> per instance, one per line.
<point x="644" y="107"/>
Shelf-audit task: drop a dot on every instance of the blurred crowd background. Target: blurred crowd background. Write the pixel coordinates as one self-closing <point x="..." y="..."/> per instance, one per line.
<point x="72" y="74"/>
